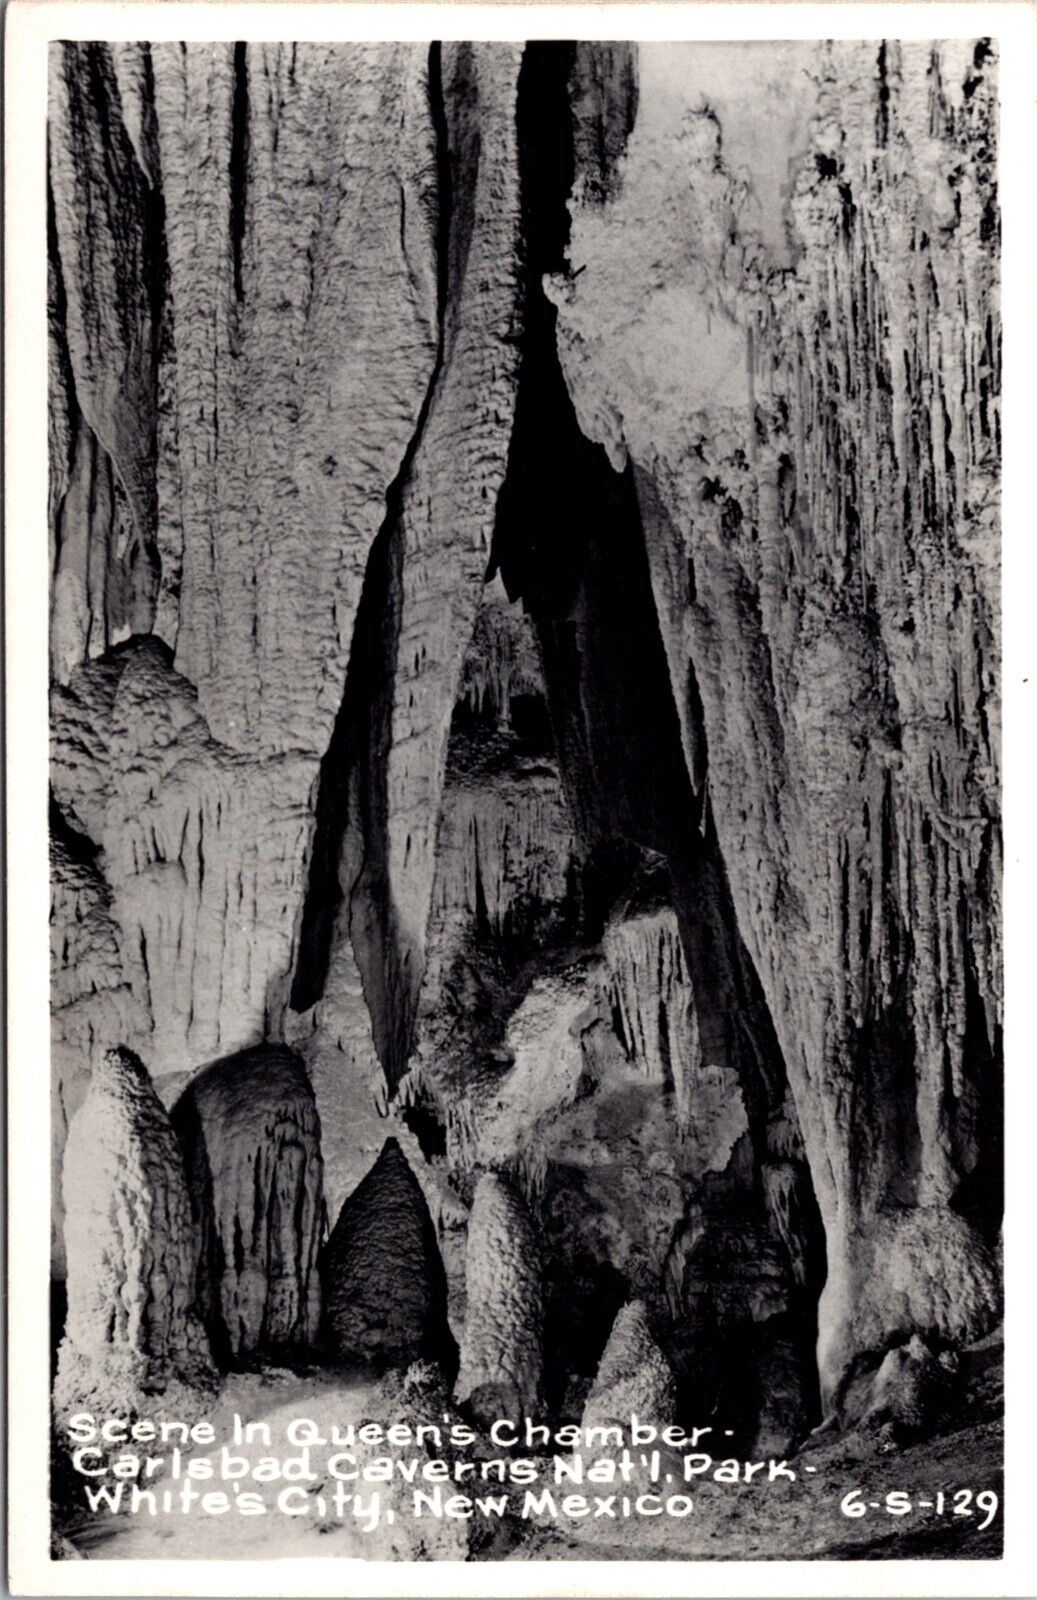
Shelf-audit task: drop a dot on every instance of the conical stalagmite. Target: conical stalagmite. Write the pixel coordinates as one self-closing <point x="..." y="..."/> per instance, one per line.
<point x="501" y="1369"/>
<point x="250" y="1134"/>
<point x="384" y="1285"/>
<point x="634" y="1377"/>
<point x="130" y="1243"/>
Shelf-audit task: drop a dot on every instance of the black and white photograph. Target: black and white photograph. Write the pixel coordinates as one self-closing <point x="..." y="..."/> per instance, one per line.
<point x="526" y="1059"/>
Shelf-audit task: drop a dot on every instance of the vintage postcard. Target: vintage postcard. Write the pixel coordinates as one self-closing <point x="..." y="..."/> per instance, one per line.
<point x="507" y="705"/>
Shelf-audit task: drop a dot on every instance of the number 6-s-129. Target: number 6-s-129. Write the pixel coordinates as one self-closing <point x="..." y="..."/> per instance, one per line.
<point x="897" y="1503"/>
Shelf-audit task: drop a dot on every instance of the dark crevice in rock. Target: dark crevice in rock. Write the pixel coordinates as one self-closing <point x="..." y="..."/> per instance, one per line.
<point x="58" y="1308"/>
<point x="571" y="544"/>
<point x="57" y="316"/>
<point x="239" y="165"/>
<point x="79" y="846"/>
<point x="422" y="1119"/>
<point x="980" y="1197"/>
<point x="539" y="560"/>
<point x="154" y="213"/>
<point x="343" y="786"/>
<point x="882" y="128"/>
<point x="373" y="930"/>
<point x="569" y="541"/>
<point x="530" y="721"/>
<point x="444" y="185"/>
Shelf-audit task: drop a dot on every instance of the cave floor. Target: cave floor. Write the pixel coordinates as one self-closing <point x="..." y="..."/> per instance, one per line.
<point x="780" y="1520"/>
<point x="802" y="1521"/>
<point x="276" y="1397"/>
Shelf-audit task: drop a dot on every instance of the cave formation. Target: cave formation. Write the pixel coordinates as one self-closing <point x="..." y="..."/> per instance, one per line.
<point x="250" y="1137"/>
<point x="382" y="1273"/>
<point x="133" y="1323"/>
<point x="524" y="644"/>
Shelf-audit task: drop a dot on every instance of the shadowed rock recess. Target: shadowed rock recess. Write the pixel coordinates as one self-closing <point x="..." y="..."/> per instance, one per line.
<point x="525" y="750"/>
<point x="250" y="1137"/>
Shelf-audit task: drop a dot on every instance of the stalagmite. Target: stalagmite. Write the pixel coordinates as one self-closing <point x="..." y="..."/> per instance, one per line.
<point x="502" y="1352"/>
<point x="634" y="1377"/>
<point x="384" y="1287"/>
<point x="92" y="1004"/>
<point x="132" y="1325"/>
<point x="250" y="1136"/>
<point x="902" y="1399"/>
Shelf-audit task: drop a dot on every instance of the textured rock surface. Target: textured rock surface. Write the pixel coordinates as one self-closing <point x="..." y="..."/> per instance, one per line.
<point x="384" y="1285"/>
<point x="651" y="992"/>
<point x="303" y="308"/>
<point x="502" y="672"/>
<point x="804" y="378"/>
<point x="634" y="1377"/>
<point x="382" y="777"/>
<point x="132" y="1326"/>
<point x="569" y="1054"/>
<point x="250" y="1136"/>
<point x="106" y="269"/>
<point x="904" y="1397"/>
<point x="92" y="1004"/>
<point x="203" y="851"/>
<point x="502" y="1350"/>
<point x="222" y="332"/>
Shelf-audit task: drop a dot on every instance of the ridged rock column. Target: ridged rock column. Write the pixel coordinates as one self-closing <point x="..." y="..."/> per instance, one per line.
<point x="817" y="480"/>
<point x="502" y="1348"/>
<point x="130" y="1242"/>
